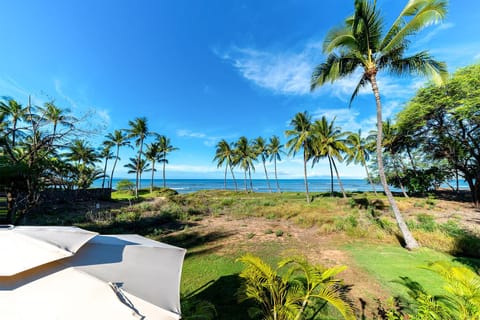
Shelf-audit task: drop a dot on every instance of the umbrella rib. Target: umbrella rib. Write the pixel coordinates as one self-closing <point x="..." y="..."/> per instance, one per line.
<point x="123" y="299"/>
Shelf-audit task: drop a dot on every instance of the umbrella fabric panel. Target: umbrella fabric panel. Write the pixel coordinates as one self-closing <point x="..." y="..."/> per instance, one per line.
<point x="145" y="268"/>
<point x="28" y="247"/>
<point x="67" y="294"/>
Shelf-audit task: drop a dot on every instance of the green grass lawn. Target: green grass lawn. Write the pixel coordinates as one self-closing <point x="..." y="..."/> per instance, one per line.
<point x="388" y="263"/>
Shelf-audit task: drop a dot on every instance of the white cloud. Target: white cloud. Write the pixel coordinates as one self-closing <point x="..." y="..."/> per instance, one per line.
<point x="190" y="134"/>
<point x="61" y="93"/>
<point x="208" y="141"/>
<point x="281" y="72"/>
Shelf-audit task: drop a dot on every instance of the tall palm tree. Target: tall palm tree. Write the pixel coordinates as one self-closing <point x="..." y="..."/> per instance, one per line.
<point x="224" y="154"/>
<point x="106" y="153"/>
<point x="260" y="149"/>
<point x="13" y="110"/>
<point x="329" y="142"/>
<point x="244" y="158"/>
<point x="118" y="139"/>
<point x="139" y="131"/>
<point x="274" y="150"/>
<point x="300" y="139"/>
<point x="153" y="154"/>
<point x="81" y="152"/>
<point x="165" y="148"/>
<point x="361" y="43"/>
<point x="359" y="153"/>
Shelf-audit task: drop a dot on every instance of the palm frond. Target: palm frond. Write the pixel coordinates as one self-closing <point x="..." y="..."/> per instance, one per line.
<point x="423" y="64"/>
<point x="334" y="68"/>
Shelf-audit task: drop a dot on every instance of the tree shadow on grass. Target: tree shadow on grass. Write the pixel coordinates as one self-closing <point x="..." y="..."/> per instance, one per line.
<point x="223" y="293"/>
<point x="195" y="242"/>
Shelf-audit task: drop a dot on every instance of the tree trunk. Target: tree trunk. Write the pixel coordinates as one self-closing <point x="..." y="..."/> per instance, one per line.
<point x="233" y="176"/>
<point x="153" y="175"/>
<point x="331" y="176"/>
<point x="250" y="177"/>
<point x="164" y="180"/>
<point x="104" y="172"/>
<point x="305" y="173"/>
<point x="266" y="175"/>
<point x="245" y="179"/>
<point x="339" y="181"/>
<point x="410" y="242"/>
<point x="276" y="178"/>
<point x="114" y="165"/>
<point x="370" y="178"/>
<point x="225" y="178"/>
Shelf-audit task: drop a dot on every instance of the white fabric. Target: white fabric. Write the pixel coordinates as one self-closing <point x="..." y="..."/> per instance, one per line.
<point x="109" y="277"/>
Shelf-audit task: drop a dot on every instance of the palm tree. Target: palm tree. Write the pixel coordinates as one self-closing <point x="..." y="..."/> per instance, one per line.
<point x="118" y="139"/>
<point x="274" y="150"/>
<point x="138" y="131"/>
<point x="301" y="136"/>
<point x="56" y="116"/>
<point x="153" y="154"/>
<point x="361" y="43"/>
<point x="329" y="142"/>
<point x="137" y="166"/>
<point x="81" y="153"/>
<point x="260" y="149"/>
<point x="359" y="153"/>
<point x="244" y="157"/>
<point x="107" y="154"/>
<point x="165" y="148"/>
<point x="224" y="154"/>
<point x="293" y="289"/>
<point x="13" y="110"/>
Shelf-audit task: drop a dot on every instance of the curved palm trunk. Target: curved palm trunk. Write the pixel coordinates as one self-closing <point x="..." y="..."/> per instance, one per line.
<point x="305" y="173"/>
<point x="398" y="177"/>
<point x="104" y="172"/>
<point x="339" y="180"/>
<point x="114" y="165"/>
<point x="369" y="178"/>
<point x="410" y="241"/>
<point x="276" y="178"/>
<point x="153" y="174"/>
<point x="331" y="176"/>
<point x="266" y="175"/>
<point x="233" y="176"/>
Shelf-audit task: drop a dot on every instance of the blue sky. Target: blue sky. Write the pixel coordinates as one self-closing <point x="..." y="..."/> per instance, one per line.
<point x="205" y="70"/>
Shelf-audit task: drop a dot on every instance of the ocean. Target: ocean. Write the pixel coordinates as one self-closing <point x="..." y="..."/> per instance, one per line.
<point x="259" y="185"/>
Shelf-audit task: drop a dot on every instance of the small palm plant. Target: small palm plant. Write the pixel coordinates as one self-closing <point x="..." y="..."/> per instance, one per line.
<point x="294" y="293"/>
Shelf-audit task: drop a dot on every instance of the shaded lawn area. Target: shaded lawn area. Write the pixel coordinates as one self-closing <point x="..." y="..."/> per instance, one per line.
<point x="388" y="263"/>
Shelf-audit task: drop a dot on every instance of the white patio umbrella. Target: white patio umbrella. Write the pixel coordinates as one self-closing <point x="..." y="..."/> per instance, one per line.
<point x="70" y="273"/>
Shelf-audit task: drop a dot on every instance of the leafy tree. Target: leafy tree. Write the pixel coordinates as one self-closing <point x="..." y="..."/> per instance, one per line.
<point x="361" y="43"/>
<point x="274" y="150"/>
<point x="446" y="120"/>
<point x="244" y="157"/>
<point x="224" y="154"/>
<point x="300" y="139"/>
<point x="165" y="148"/>
<point x="292" y="294"/>
<point x="329" y="142"/>
<point x="359" y="153"/>
<point x="139" y="131"/>
<point x="260" y="149"/>
<point x="118" y="139"/>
